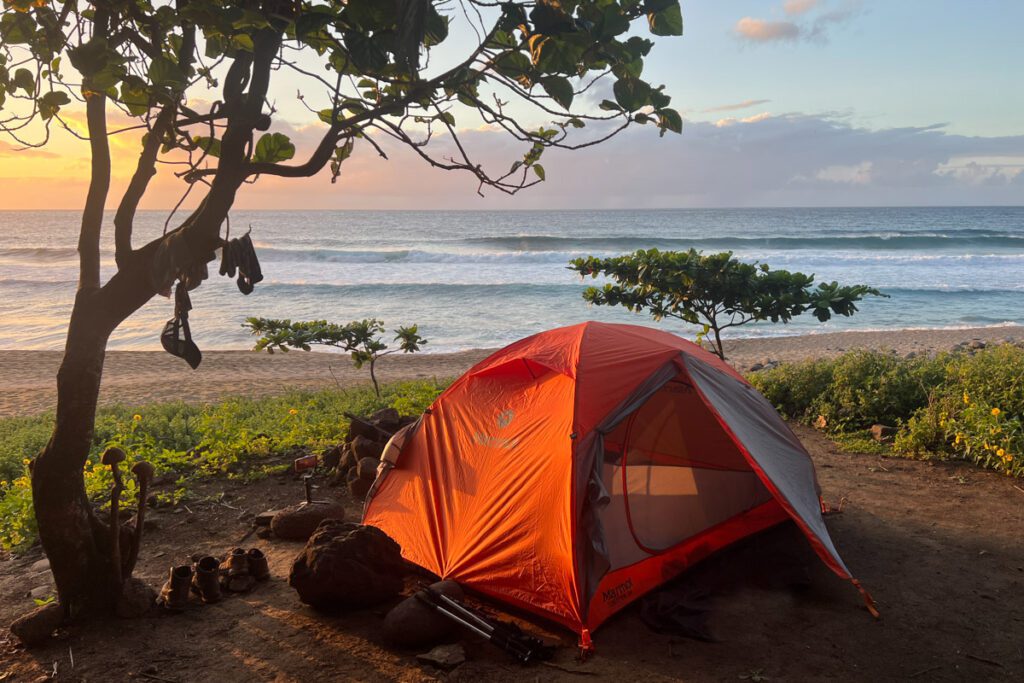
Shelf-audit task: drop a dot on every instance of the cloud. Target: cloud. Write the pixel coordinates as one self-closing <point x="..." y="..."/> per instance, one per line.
<point x="761" y="160"/>
<point x="792" y="7"/>
<point x="855" y="174"/>
<point x="815" y="30"/>
<point x="730" y="121"/>
<point x="983" y="170"/>
<point x="735" y="106"/>
<point x="763" y="31"/>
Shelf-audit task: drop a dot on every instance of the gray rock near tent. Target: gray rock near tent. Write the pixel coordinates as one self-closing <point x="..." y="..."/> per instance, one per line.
<point x="298" y="522"/>
<point x="414" y="624"/>
<point x="445" y="657"/>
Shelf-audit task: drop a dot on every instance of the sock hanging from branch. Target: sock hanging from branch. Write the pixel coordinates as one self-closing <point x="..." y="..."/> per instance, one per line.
<point x="177" y="336"/>
<point x="239" y="255"/>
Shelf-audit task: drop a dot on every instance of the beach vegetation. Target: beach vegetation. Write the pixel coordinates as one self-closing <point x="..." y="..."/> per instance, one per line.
<point x="361" y="339"/>
<point x="956" y="405"/>
<point x="714" y="291"/>
<point x="187" y="86"/>
<point x="239" y="438"/>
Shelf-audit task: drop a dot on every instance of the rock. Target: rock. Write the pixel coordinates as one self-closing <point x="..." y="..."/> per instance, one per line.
<point x="415" y="624"/>
<point x="976" y="344"/>
<point x="298" y="522"/>
<point x="265" y="533"/>
<point x="359" y="487"/>
<point x="445" y="657"/>
<point x="363" y="428"/>
<point x="910" y="355"/>
<point x="41" y="592"/>
<point x="387" y="419"/>
<point x="40" y="566"/>
<point x="882" y="432"/>
<point x="264" y="518"/>
<point x="137" y="598"/>
<point x="365" y="448"/>
<point x="347" y="566"/>
<point x="331" y="458"/>
<point x="755" y="367"/>
<point x="348" y="459"/>
<point x="37" y="626"/>
<point x="368" y="468"/>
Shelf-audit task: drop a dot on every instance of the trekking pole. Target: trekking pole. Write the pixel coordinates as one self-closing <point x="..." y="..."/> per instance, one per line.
<point x="508" y="637"/>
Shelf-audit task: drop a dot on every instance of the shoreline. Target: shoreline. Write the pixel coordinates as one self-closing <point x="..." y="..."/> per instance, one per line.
<point x="27" y="378"/>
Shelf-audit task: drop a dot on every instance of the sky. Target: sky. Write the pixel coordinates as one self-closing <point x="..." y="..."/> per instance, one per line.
<point x="785" y="103"/>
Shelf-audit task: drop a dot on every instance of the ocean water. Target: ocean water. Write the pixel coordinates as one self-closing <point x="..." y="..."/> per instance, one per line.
<point x="483" y="279"/>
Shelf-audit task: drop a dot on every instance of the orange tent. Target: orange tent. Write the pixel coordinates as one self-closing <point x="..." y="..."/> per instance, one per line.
<point x="575" y="470"/>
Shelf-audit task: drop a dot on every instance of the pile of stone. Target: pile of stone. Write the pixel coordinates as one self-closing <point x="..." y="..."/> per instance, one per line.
<point x="354" y="462"/>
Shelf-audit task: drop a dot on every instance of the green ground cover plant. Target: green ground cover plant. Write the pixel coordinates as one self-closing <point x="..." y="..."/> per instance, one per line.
<point x="233" y="438"/>
<point x="951" y="406"/>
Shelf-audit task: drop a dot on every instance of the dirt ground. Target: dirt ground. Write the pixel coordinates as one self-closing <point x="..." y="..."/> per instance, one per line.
<point x="939" y="546"/>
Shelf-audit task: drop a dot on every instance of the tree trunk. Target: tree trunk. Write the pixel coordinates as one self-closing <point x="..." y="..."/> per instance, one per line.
<point x="76" y="541"/>
<point x="718" y="344"/>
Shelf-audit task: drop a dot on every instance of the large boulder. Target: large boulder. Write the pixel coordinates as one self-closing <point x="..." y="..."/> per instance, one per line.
<point x="347" y="566"/>
<point x="298" y="522"/>
<point x="366" y="448"/>
<point x="387" y="419"/>
<point x="359" y="487"/>
<point x="331" y="458"/>
<point x="368" y="468"/>
<point x="412" y="623"/>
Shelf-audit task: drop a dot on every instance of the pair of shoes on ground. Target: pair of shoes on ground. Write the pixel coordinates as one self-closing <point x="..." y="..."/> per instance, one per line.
<point x="209" y="577"/>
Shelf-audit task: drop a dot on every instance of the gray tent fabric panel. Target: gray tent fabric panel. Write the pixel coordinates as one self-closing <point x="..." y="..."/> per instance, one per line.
<point x="591" y="494"/>
<point x="771" y="444"/>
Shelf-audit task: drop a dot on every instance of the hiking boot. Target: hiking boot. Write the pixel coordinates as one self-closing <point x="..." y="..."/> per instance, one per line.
<point x="174" y="595"/>
<point x="259" y="569"/>
<point x="206" y="580"/>
<point x="235" y="564"/>
<point x="234" y="572"/>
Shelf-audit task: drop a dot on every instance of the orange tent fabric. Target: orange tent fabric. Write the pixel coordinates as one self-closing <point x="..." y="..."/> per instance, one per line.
<point x="575" y="470"/>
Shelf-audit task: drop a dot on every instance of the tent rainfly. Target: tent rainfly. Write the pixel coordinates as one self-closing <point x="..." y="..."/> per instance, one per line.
<point x="575" y="470"/>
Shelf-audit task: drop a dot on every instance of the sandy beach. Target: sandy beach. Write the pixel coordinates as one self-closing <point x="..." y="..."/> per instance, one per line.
<point x="27" y="384"/>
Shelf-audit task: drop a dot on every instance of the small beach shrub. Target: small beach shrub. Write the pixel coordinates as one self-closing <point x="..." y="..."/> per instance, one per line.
<point x="795" y="388"/>
<point x="959" y="406"/>
<point x="715" y="291"/>
<point x="233" y="437"/>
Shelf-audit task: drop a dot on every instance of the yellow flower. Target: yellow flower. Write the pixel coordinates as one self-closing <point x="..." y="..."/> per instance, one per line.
<point x="995" y="411"/>
<point x="958" y="438"/>
<point x="999" y="452"/>
<point x="137" y="417"/>
<point x="293" y="411"/>
<point x="967" y="399"/>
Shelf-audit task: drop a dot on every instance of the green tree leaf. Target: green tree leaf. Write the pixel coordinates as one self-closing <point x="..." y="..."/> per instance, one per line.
<point x="631" y="93"/>
<point x="272" y="148"/>
<point x="559" y="88"/>
<point x="667" y="22"/>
